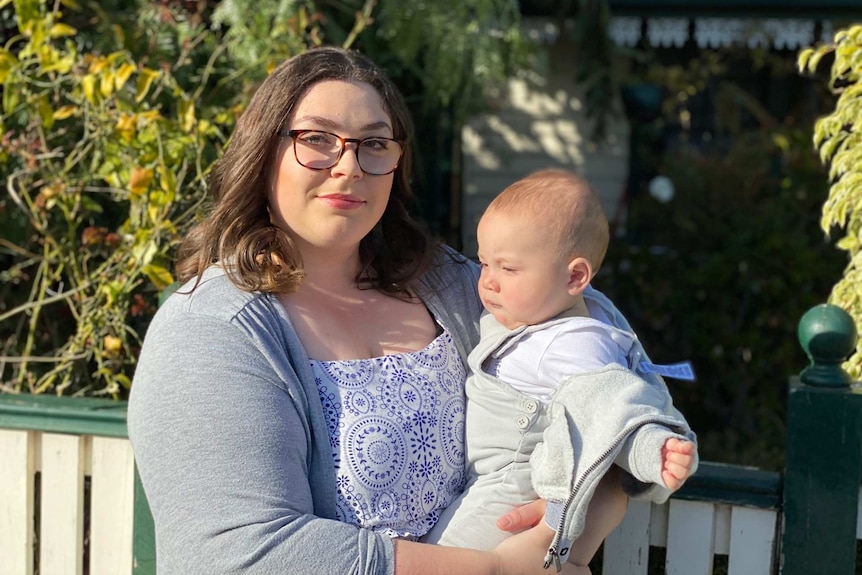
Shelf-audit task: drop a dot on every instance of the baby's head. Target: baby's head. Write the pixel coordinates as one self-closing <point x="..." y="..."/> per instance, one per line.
<point x="541" y="241"/>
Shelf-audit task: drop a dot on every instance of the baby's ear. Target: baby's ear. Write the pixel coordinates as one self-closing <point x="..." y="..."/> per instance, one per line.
<point x="580" y="274"/>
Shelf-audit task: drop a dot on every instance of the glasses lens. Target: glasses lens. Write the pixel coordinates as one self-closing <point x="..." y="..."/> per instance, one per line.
<point x="317" y="150"/>
<point x="378" y="155"/>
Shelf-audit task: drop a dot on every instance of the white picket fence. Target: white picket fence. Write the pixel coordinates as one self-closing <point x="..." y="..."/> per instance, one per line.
<point x="693" y="532"/>
<point x="64" y="462"/>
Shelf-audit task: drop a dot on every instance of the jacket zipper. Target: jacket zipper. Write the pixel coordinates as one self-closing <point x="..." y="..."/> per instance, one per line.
<point x="553" y="555"/>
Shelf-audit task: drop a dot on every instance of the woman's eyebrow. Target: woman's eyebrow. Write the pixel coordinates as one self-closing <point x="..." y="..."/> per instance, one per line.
<point x="327" y="123"/>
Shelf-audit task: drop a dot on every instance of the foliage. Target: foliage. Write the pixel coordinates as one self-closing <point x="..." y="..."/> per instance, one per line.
<point x="721" y="273"/>
<point x="453" y="49"/>
<point x="838" y="139"/>
<point x="105" y="159"/>
<point x="112" y="116"/>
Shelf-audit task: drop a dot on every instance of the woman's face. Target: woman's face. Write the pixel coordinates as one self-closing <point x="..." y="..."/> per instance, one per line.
<point x="333" y="208"/>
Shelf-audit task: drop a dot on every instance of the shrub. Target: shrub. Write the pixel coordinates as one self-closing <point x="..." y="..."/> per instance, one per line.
<point x="838" y="139"/>
<point x="720" y="275"/>
<point x="105" y="159"/>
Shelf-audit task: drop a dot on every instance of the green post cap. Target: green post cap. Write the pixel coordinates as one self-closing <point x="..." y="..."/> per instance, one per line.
<point x="827" y="333"/>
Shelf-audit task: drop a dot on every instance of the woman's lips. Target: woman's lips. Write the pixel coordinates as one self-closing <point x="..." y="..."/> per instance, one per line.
<point x="343" y="202"/>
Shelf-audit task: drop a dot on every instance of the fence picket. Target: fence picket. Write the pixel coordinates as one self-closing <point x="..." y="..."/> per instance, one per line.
<point x="17" y="449"/>
<point x="690" y="538"/>
<point x="112" y="506"/>
<point x="61" y="541"/>
<point x="752" y="541"/>
<point x="626" y="550"/>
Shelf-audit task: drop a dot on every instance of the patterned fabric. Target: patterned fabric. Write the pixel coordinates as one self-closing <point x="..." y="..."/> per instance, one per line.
<point x="396" y="428"/>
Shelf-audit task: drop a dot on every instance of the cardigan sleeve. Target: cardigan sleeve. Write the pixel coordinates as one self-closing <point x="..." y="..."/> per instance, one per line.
<point x="223" y="442"/>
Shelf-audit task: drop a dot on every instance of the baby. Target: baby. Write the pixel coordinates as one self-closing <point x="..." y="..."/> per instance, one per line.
<point x="556" y="394"/>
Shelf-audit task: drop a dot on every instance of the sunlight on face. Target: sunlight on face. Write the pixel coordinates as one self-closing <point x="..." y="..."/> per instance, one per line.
<point x="332" y="208"/>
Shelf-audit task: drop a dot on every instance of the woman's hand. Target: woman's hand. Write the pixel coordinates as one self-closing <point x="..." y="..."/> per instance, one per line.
<point x="522" y="517"/>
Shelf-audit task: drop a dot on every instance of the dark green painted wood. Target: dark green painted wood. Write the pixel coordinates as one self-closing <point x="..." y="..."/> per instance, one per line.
<point x="78" y="415"/>
<point x="733" y="485"/>
<point x="144" y="539"/>
<point x="827" y="333"/>
<point x="821" y="484"/>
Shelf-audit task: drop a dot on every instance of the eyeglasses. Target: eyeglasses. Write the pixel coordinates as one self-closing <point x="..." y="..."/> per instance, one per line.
<point x="316" y="150"/>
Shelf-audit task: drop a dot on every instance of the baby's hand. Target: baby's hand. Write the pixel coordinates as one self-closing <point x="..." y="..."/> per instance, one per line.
<point x="677" y="460"/>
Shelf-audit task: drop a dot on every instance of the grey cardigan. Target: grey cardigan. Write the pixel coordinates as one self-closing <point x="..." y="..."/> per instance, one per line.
<point x="230" y="438"/>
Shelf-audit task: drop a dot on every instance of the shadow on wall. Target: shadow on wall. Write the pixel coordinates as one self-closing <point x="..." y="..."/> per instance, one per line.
<point x="540" y="123"/>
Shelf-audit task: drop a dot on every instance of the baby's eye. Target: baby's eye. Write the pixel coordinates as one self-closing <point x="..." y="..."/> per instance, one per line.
<point x="509" y="270"/>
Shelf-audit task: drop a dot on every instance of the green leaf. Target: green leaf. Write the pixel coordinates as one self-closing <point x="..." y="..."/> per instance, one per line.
<point x="90" y="204"/>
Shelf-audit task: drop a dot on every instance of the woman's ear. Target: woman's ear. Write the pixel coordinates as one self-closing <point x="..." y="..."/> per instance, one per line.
<point x="580" y="274"/>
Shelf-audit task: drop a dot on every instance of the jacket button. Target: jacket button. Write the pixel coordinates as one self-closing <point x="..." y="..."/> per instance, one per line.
<point x="522" y="421"/>
<point x="531" y="406"/>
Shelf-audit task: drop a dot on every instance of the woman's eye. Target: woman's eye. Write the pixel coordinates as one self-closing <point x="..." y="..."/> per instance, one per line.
<point x="317" y="139"/>
<point x="375" y="145"/>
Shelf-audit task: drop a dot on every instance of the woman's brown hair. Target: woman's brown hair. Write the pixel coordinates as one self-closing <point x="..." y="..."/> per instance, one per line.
<point x="237" y="232"/>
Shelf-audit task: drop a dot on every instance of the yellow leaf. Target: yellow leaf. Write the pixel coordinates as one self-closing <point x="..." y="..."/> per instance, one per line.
<point x="60" y="30"/>
<point x="88" y="84"/>
<point x="159" y="275"/>
<point x="97" y="65"/>
<point x="126" y="126"/>
<point x="123" y="74"/>
<point x="113" y="344"/>
<point x="106" y="86"/>
<point x="64" y="112"/>
<point x="168" y="182"/>
<point x="145" y="80"/>
<point x="187" y="115"/>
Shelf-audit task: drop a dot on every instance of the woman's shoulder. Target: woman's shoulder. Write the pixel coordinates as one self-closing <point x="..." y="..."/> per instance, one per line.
<point x="450" y="266"/>
<point x="212" y="295"/>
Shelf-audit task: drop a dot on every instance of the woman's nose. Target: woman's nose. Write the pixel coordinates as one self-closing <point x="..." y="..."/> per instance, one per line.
<point x="348" y="163"/>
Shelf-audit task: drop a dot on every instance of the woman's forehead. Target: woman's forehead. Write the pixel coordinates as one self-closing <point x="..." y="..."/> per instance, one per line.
<point x="337" y="104"/>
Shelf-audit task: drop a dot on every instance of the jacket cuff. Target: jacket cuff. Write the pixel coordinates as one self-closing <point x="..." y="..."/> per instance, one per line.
<point x="644" y="455"/>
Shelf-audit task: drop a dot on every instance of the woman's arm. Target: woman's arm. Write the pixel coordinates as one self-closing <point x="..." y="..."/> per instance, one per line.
<point x="223" y="451"/>
<point x="521" y="554"/>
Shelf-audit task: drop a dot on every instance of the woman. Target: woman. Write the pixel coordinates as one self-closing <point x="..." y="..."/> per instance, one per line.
<point x="298" y="405"/>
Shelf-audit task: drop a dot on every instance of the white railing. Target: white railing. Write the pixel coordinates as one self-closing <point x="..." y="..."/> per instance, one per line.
<point x="42" y="522"/>
<point x="693" y="533"/>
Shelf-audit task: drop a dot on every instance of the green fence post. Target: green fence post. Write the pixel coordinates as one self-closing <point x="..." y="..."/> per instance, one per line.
<point x="823" y="451"/>
<point x="144" y="546"/>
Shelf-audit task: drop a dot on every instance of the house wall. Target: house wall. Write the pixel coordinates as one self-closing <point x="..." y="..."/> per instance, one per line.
<point x="540" y="123"/>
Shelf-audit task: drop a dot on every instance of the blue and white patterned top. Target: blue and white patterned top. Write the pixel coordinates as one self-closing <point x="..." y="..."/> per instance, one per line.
<point x="396" y="427"/>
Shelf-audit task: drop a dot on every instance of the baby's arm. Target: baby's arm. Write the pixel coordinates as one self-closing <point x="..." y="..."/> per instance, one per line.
<point x="606" y="510"/>
<point x="677" y="462"/>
